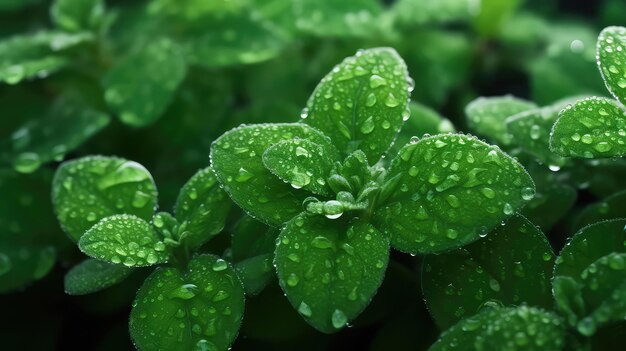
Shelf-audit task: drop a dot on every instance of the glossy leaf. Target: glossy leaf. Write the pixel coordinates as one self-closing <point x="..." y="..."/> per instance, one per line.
<point x="237" y="160"/>
<point x="92" y="276"/>
<point x="88" y="189"/>
<point x="124" y="239"/>
<point x="512" y="264"/>
<point x="609" y="208"/>
<point x="590" y="128"/>
<point x="255" y="273"/>
<point x="453" y="188"/>
<point x="487" y="115"/>
<point x="196" y="309"/>
<point x="36" y="55"/>
<point x="330" y="269"/>
<point x="301" y="163"/>
<point x="201" y="207"/>
<point x="362" y="102"/>
<point x="328" y="18"/>
<point x="76" y="15"/>
<point x="140" y="87"/>
<point x="611" y="60"/>
<point x="511" y="328"/>
<point x="67" y="125"/>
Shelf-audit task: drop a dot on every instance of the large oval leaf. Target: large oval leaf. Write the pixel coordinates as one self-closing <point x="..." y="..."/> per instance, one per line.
<point x="237" y="160"/>
<point x="452" y="189"/>
<point x="197" y="309"/>
<point x="513" y="328"/>
<point x="91" y="188"/>
<point x="330" y="269"/>
<point x="513" y="265"/>
<point x="360" y="104"/>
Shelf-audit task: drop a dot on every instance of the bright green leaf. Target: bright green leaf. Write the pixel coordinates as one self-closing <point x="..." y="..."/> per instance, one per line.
<point x="590" y="128"/>
<point x="612" y="60"/>
<point x="91" y="188"/>
<point x="362" y="102"/>
<point x="453" y="188"/>
<point x="124" y="239"/>
<point x="487" y="115"/>
<point x="512" y="264"/>
<point x="491" y="15"/>
<point x="202" y="207"/>
<point x="255" y="273"/>
<point x="329" y="18"/>
<point x="92" y="275"/>
<point x="76" y="15"/>
<point x="512" y="328"/>
<point x="330" y="269"/>
<point x="302" y="163"/>
<point x="140" y="87"/>
<point x="609" y="208"/>
<point x="36" y="55"/>
<point x="198" y="309"/>
<point x="237" y="160"/>
<point x="66" y="126"/>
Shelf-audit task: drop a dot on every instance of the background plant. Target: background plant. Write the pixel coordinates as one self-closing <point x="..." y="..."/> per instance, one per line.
<point x="69" y="65"/>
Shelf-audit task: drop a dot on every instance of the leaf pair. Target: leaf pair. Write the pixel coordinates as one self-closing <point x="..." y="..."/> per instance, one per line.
<point x="596" y="127"/>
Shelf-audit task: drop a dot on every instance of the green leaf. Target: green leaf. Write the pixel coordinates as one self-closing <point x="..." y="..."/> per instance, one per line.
<point x="124" y="239"/>
<point x="67" y="125"/>
<point x="92" y="276"/>
<point x="76" y="15"/>
<point x="487" y="115"/>
<point x="328" y="18"/>
<point x="28" y="230"/>
<point x="611" y="60"/>
<point x="330" y="269"/>
<point x="591" y="128"/>
<point x="362" y="102"/>
<point x="423" y="120"/>
<point x="140" y="87"/>
<point x="237" y="160"/>
<point x="422" y="12"/>
<point x="252" y="238"/>
<point x="609" y="208"/>
<point x="512" y="264"/>
<point x="201" y="207"/>
<point x="588" y="245"/>
<point x="511" y="328"/>
<point x="302" y="163"/>
<point x="453" y="188"/>
<point x="35" y="55"/>
<point x="491" y="15"/>
<point x="91" y="188"/>
<point x="255" y="273"/>
<point x="198" y="309"/>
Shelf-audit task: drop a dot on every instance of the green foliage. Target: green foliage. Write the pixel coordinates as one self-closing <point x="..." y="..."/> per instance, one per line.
<point x="488" y="115"/>
<point x="77" y="15"/>
<point x="92" y="275"/>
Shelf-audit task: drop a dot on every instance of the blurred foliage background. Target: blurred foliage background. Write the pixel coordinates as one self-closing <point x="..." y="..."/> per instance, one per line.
<point x="157" y="81"/>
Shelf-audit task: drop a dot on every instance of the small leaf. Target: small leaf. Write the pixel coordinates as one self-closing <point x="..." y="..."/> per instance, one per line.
<point x="237" y="160"/>
<point x="487" y="115"/>
<point x="67" y="125"/>
<point x="568" y="297"/>
<point x="516" y="328"/>
<point x="609" y="208"/>
<point x="611" y="60"/>
<point x="362" y="102"/>
<point x="513" y="265"/>
<point x="198" y="309"/>
<point x="92" y="276"/>
<point x="140" y="87"/>
<point x="255" y="273"/>
<point x="453" y="188"/>
<point x="76" y="15"/>
<point x="252" y="238"/>
<point x="330" y="269"/>
<point x="328" y="18"/>
<point x="124" y="239"/>
<point x="88" y="189"/>
<point x="301" y="163"/>
<point x="201" y="207"/>
<point x="36" y="55"/>
<point x="591" y="128"/>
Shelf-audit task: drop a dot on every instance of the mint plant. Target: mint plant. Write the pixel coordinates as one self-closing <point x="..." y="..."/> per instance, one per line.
<point x="341" y="204"/>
